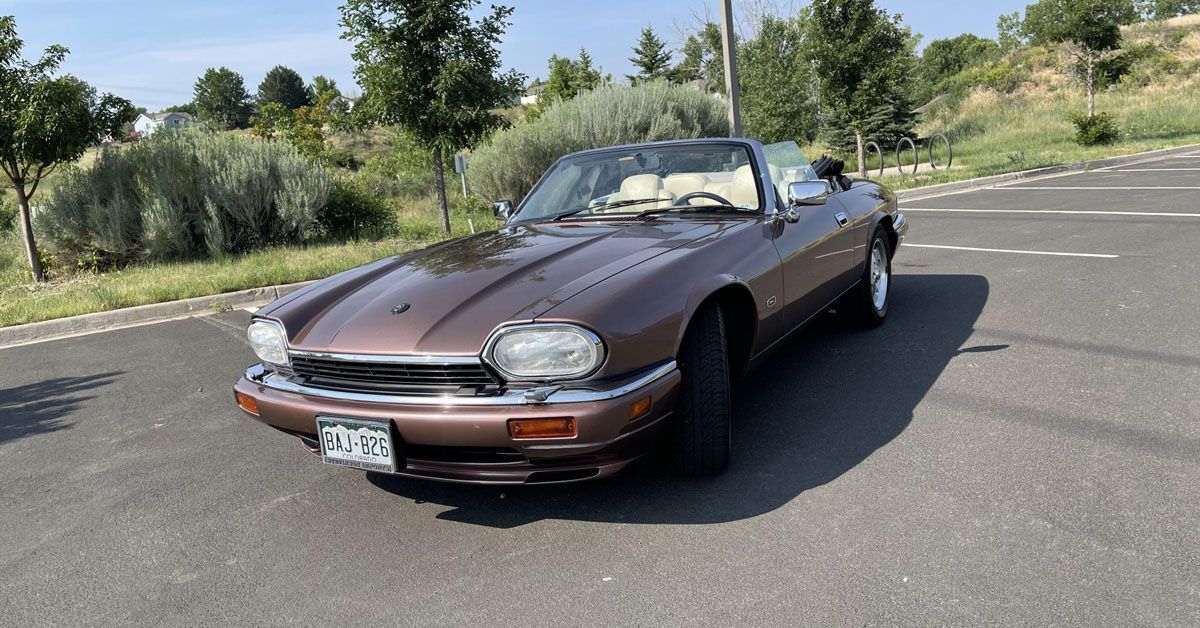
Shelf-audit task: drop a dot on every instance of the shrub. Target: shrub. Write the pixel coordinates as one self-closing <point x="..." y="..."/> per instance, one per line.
<point x="1095" y="130"/>
<point x="8" y="213"/>
<point x="514" y="159"/>
<point x="354" y="212"/>
<point x="181" y="195"/>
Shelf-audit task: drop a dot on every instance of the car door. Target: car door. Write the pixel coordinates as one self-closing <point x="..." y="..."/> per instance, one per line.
<point x="817" y="253"/>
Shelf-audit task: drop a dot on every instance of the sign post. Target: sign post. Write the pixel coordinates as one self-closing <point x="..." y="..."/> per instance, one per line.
<point x="729" y="48"/>
<point x="460" y="166"/>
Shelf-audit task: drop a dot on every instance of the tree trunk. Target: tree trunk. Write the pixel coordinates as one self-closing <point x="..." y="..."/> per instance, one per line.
<point x="1091" y="85"/>
<point x="862" y="156"/>
<point x="439" y="176"/>
<point x="35" y="262"/>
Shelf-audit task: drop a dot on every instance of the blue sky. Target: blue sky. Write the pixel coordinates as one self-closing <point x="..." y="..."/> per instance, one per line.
<point x="151" y="51"/>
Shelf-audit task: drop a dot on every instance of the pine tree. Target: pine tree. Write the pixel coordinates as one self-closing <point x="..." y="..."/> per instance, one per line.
<point x="651" y="58"/>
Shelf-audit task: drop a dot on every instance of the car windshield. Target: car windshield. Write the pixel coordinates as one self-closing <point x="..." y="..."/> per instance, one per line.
<point x="646" y="178"/>
<point x="788" y="162"/>
<point x="788" y="165"/>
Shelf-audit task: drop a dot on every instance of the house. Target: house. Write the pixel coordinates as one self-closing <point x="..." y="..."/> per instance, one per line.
<point x="147" y="123"/>
<point x="535" y="90"/>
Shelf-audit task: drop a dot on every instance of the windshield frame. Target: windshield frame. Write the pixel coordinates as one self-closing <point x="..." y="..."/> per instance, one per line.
<point x="767" y="204"/>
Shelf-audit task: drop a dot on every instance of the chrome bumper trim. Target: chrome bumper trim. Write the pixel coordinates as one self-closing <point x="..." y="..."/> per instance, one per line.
<point x="391" y="359"/>
<point x="277" y="381"/>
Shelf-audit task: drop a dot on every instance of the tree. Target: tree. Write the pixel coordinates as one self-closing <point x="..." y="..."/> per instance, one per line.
<point x="651" y="57"/>
<point x="430" y="68"/>
<point x="320" y="85"/>
<point x="943" y="58"/>
<point x="189" y="108"/>
<point x="46" y="121"/>
<point x="776" y="82"/>
<point x="570" y="78"/>
<point x="703" y="58"/>
<point x="284" y="86"/>
<point x="1008" y="31"/>
<point x="220" y="97"/>
<point x="1167" y="9"/>
<point x="863" y="57"/>
<point x="304" y="127"/>
<point x="1091" y="29"/>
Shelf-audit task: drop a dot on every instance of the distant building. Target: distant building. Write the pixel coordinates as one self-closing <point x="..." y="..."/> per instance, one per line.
<point x="532" y="93"/>
<point x="147" y="123"/>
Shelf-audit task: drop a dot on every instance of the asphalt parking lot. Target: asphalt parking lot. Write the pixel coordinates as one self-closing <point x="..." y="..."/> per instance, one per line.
<point x="1019" y="444"/>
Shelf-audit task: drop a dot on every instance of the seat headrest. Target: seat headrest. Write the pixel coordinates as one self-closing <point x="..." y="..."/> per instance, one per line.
<point x="743" y="191"/>
<point x="642" y="186"/>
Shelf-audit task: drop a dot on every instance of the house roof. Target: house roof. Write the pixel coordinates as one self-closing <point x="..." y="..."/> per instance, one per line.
<point x="166" y="114"/>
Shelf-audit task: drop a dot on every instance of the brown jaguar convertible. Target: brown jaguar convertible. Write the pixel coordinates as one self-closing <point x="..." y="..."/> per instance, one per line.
<point x="606" y="320"/>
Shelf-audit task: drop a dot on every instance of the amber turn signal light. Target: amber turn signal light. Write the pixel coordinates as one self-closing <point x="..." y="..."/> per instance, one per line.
<point x="246" y="402"/>
<point x="557" y="427"/>
<point x="639" y="409"/>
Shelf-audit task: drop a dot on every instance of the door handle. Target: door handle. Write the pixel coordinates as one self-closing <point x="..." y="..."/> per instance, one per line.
<point x="842" y="219"/>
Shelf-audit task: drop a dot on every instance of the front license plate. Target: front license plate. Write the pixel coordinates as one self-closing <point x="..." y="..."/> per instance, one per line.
<point x="358" y="443"/>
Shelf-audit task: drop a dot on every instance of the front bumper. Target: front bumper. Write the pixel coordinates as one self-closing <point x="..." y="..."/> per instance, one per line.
<point x="466" y="439"/>
<point x="900" y="226"/>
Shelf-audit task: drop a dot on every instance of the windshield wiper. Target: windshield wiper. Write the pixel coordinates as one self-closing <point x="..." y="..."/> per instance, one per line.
<point x="623" y="203"/>
<point x="694" y="208"/>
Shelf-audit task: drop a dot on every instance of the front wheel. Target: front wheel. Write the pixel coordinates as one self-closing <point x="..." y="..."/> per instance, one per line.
<point x="866" y="305"/>
<point x="700" y="437"/>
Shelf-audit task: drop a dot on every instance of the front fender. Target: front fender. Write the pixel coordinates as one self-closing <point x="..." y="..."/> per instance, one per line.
<point x="642" y="313"/>
<point x="704" y="290"/>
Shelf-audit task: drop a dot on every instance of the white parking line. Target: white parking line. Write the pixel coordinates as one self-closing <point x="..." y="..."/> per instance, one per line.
<point x="1155" y="170"/>
<point x="972" y="248"/>
<point x="1048" y="211"/>
<point x="1099" y="187"/>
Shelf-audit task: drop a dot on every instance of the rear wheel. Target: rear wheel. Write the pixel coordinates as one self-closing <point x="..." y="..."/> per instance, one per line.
<point x="866" y="305"/>
<point x="700" y="437"/>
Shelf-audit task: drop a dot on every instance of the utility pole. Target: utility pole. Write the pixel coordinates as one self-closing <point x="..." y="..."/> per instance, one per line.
<point x="729" y="47"/>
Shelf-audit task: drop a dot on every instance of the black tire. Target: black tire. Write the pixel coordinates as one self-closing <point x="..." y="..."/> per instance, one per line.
<point x="700" y="437"/>
<point x="860" y="305"/>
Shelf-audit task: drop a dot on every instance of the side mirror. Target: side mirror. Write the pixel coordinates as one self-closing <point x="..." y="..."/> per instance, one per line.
<point x="803" y="193"/>
<point x="502" y="209"/>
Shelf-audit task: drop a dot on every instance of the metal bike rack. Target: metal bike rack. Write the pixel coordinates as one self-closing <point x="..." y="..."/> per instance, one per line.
<point x="878" y="151"/>
<point x="913" y="146"/>
<point x="900" y="151"/>
<point x="949" y="150"/>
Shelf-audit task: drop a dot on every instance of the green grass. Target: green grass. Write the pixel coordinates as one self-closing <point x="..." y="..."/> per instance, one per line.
<point x="996" y="133"/>
<point x="23" y="302"/>
<point x="73" y="293"/>
<point x="999" y="133"/>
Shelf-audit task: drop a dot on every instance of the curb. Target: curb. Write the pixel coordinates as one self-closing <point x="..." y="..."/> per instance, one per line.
<point x="30" y="333"/>
<point x="1082" y="166"/>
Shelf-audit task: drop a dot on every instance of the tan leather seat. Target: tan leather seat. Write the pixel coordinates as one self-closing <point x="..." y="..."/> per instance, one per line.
<point x="683" y="184"/>
<point x="743" y="190"/>
<point x="642" y="186"/>
<point x="718" y="183"/>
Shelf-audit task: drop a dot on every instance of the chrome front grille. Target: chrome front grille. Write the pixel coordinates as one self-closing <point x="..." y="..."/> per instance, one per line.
<point x="394" y="375"/>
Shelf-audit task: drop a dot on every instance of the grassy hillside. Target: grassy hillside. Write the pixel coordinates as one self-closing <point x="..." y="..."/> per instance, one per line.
<point x="1013" y="113"/>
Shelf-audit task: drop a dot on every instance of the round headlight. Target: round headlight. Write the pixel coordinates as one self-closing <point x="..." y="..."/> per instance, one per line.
<point x="268" y="341"/>
<point x="545" y="352"/>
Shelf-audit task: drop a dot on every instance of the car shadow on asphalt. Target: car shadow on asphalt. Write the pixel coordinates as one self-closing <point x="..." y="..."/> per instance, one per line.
<point x="44" y="406"/>
<point x="822" y="404"/>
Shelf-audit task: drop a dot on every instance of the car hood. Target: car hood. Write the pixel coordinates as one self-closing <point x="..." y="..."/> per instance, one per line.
<point x="457" y="292"/>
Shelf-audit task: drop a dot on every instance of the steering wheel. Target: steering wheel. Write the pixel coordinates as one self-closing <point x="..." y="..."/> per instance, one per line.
<point x="683" y="200"/>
